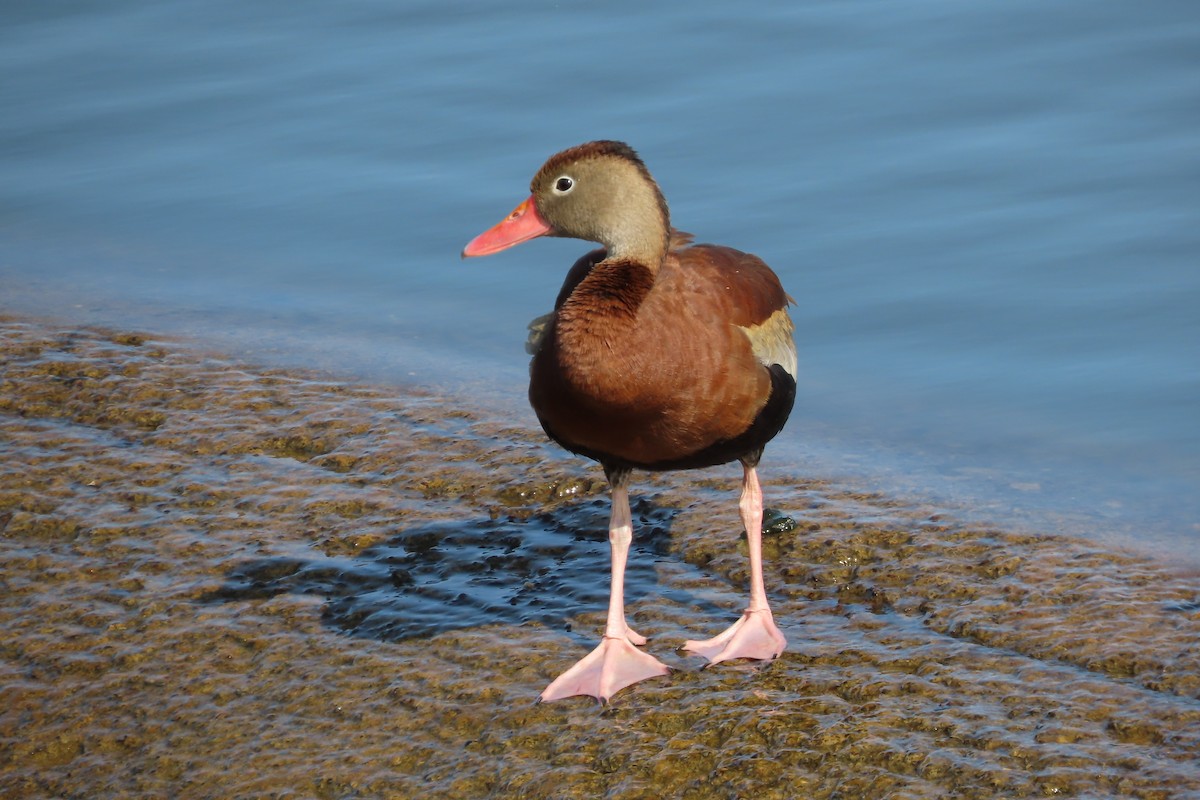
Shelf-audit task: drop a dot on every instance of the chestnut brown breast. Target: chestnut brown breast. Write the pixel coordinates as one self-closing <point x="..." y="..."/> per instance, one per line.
<point x="662" y="369"/>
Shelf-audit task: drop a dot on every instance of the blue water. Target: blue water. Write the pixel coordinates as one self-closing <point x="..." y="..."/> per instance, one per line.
<point x="987" y="212"/>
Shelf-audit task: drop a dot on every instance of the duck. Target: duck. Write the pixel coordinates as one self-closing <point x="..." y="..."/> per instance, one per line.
<point x="661" y="354"/>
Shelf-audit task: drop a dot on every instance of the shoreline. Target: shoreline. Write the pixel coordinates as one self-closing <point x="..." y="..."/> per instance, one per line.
<point x="1138" y="504"/>
<point x="222" y="580"/>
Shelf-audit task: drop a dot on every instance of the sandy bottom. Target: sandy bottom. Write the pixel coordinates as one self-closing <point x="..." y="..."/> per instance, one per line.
<point x="222" y="581"/>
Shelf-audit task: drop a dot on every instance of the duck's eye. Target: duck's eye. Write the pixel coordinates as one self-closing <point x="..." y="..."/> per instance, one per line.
<point x="564" y="185"/>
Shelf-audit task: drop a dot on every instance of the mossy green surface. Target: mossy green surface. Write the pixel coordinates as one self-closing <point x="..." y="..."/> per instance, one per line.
<point x="926" y="658"/>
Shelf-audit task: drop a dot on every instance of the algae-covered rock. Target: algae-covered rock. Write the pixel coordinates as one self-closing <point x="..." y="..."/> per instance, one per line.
<point x="220" y="581"/>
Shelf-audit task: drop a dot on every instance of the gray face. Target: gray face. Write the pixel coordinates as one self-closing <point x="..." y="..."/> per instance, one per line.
<point x="604" y="198"/>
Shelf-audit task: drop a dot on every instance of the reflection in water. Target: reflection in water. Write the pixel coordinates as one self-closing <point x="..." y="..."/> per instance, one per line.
<point x="471" y="572"/>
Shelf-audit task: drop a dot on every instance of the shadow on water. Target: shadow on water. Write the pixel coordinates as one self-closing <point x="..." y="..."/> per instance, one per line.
<point x="448" y="576"/>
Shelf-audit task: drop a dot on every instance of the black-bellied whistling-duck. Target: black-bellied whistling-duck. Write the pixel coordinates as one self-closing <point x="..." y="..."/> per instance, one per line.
<point x="659" y="355"/>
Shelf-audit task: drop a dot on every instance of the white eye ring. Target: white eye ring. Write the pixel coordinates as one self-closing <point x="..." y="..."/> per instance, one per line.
<point x="564" y="184"/>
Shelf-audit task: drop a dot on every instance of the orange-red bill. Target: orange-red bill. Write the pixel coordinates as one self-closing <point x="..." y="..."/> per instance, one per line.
<point x="523" y="224"/>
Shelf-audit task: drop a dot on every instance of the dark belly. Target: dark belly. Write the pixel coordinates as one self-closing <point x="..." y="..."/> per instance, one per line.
<point x="643" y="441"/>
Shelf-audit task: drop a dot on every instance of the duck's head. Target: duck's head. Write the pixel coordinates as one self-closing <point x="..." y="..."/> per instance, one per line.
<point x="599" y="191"/>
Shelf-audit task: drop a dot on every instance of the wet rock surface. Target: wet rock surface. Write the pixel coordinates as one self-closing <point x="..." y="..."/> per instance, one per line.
<point x="220" y="581"/>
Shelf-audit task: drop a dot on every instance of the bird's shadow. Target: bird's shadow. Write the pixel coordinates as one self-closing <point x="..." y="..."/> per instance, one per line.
<point x="446" y="576"/>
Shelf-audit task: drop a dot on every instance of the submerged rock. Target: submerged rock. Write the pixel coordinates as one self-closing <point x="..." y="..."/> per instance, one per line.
<point x="290" y="586"/>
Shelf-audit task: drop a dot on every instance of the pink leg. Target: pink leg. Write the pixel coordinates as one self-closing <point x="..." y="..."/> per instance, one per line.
<point x="615" y="663"/>
<point x="755" y="634"/>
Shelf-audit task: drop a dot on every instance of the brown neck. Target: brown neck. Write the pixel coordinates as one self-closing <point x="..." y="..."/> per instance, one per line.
<point x="608" y="299"/>
<point x="596" y="330"/>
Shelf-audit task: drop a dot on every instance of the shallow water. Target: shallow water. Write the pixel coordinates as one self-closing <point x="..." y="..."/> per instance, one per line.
<point x="986" y="211"/>
<point x="463" y="573"/>
<point x="222" y="581"/>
